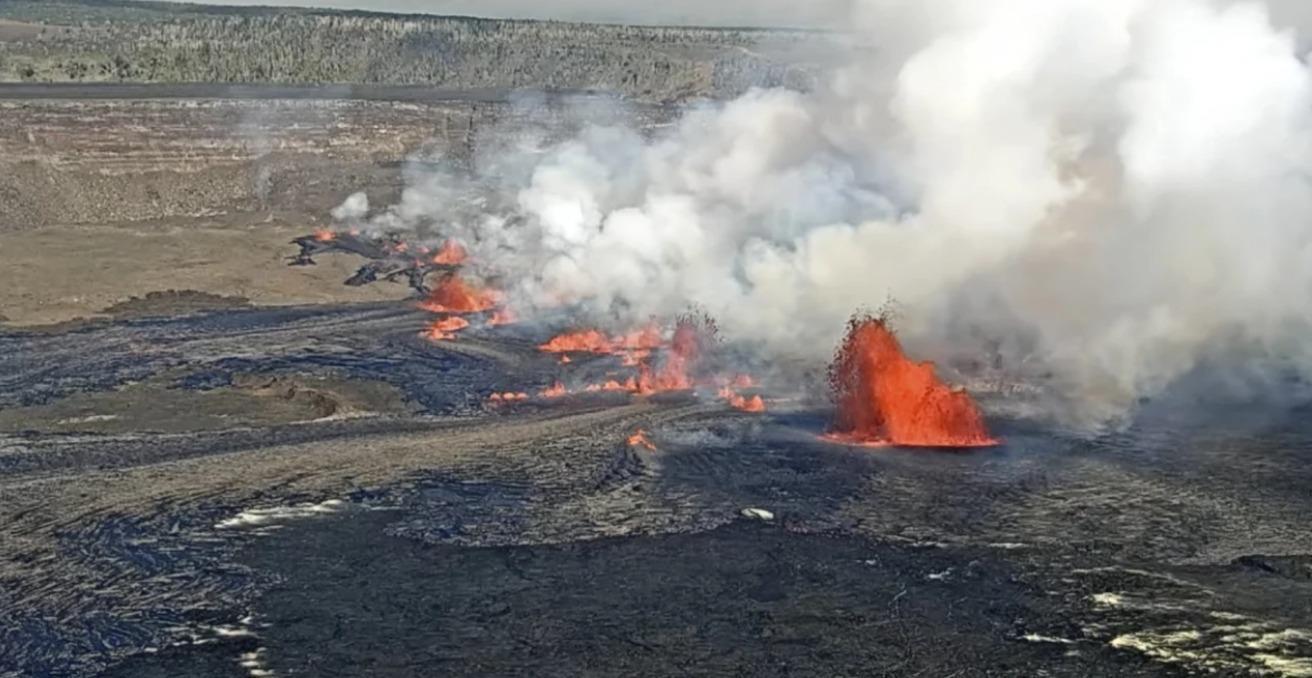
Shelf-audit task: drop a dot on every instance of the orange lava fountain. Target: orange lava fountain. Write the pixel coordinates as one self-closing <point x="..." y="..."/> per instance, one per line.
<point x="454" y="295"/>
<point x="685" y="349"/>
<point x="556" y="390"/>
<point x="445" y="328"/>
<point x="884" y="398"/>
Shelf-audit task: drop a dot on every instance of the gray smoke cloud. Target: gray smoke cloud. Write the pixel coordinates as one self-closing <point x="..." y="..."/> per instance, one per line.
<point x="1107" y="189"/>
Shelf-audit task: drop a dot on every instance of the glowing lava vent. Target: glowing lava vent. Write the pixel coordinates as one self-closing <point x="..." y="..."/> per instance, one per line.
<point x="883" y="398"/>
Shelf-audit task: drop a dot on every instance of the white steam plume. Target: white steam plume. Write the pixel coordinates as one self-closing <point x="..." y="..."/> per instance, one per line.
<point x="1107" y="188"/>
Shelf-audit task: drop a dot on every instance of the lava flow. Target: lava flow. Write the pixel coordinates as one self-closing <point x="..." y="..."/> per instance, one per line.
<point x="639" y="439"/>
<point x="693" y="335"/>
<point x="884" y="398"/>
<point x="740" y="402"/>
<point x="446" y="328"/>
<point x="584" y="341"/>
<point x="556" y="390"/>
<point x="633" y="346"/>
<point x="454" y="295"/>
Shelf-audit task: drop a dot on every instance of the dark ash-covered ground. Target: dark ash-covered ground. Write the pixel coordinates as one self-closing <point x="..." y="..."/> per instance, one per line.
<point x="389" y="523"/>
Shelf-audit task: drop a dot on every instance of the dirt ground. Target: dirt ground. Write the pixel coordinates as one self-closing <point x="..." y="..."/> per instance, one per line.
<point x="105" y="199"/>
<point x="56" y="274"/>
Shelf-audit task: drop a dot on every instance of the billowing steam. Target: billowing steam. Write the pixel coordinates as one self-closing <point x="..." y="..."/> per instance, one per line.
<point x="1104" y="190"/>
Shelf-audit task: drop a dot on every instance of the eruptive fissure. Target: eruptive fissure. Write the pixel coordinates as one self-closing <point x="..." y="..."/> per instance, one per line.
<point x="452" y="253"/>
<point x="445" y="328"/>
<point x="693" y="335"/>
<point x="454" y="295"/>
<point x="884" y="398"/>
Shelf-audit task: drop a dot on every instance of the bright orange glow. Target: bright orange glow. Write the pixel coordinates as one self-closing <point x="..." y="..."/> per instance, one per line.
<point x="584" y="341"/>
<point x="507" y="397"/>
<point x="675" y="370"/>
<point x="737" y="401"/>
<point x="556" y="390"/>
<point x="324" y="235"/>
<point x="685" y="349"/>
<point x="634" y="358"/>
<point x="884" y="398"/>
<point x="640" y="340"/>
<point x="639" y="439"/>
<point x="452" y="253"/>
<point x="445" y="328"/>
<point x="634" y="345"/>
<point x="454" y="295"/>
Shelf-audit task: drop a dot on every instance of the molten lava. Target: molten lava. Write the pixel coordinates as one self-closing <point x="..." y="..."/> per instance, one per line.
<point x="324" y="235"/>
<point x="641" y="340"/>
<point x="634" y="358"/>
<point x="739" y="402"/>
<point x="885" y="398"/>
<point x="639" y="439"/>
<point x="556" y="390"/>
<point x="454" y="295"/>
<point x="452" y="253"/>
<point x="685" y="349"/>
<point x="446" y="328"/>
<point x="508" y="397"/>
<point x="584" y="341"/>
<point x="634" y="346"/>
<point x="693" y="335"/>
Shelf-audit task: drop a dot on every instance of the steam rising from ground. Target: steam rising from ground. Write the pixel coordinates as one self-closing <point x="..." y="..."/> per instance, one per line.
<point x="1106" y="190"/>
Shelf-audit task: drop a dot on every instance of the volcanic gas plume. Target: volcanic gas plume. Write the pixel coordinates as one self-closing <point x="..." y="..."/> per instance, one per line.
<point x="1101" y="194"/>
<point x="884" y="398"/>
